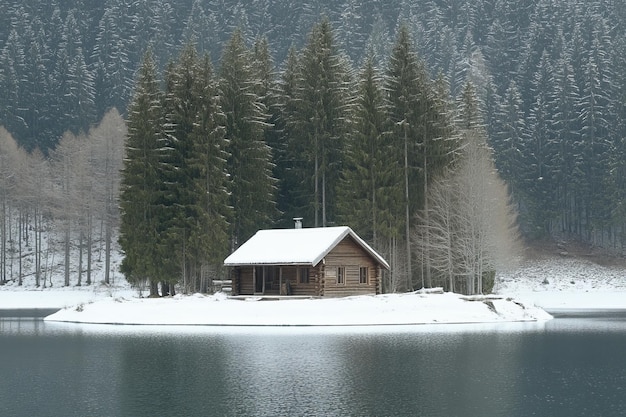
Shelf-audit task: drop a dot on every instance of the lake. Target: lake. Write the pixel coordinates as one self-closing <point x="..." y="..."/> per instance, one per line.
<point x="574" y="365"/>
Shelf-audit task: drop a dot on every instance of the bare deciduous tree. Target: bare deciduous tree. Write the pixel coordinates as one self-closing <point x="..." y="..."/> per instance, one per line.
<point x="66" y="163"/>
<point x="471" y="228"/>
<point x="8" y="156"/>
<point x="108" y="143"/>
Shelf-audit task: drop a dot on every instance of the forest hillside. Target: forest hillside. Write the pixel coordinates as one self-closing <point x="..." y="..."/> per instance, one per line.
<point x="547" y="76"/>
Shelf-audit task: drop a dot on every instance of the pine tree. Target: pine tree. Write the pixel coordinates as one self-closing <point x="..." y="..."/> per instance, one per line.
<point x="139" y="195"/>
<point x="318" y="125"/>
<point x="200" y="29"/>
<point x="595" y="103"/>
<point x="564" y="99"/>
<point x="510" y="132"/>
<point x="287" y="153"/>
<point x="249" y="163"/>
<point x="195" y="204"/>
<point x="367" y="186"/>
<point x="13" y="69"/>
<point x="210" y="234"/>
<point x="539" y="156"/>
<point x="181" y="108"/>
<point x="410" y="104"/>
<point x="112" y="54"/>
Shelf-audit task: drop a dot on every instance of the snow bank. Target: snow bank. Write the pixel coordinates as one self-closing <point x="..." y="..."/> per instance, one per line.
<point x="14" y="297"/>
<point x="563" y="283"/>
<point x="217" y="310"/>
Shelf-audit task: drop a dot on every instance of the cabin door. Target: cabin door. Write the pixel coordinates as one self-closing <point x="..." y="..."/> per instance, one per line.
<point x="259" y="280"/>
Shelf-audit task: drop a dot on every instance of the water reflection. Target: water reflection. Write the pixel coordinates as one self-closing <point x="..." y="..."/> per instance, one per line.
<point x="556" y="368"/>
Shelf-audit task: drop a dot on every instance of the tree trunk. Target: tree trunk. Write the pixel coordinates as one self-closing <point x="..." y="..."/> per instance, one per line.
<point x="323" y="198"/>
<point x="316" y="178"/>
<point x="154" y="288"/>
<point x="67" y="254"/>
<point x="89" y="237"/>
<point x="19" y="246"/>
<point x="107" y="253"/>
<point x="3" y="261"/>
<point x="37" y="225"/>
<point x="407" y="224"/>
<point x="427" y="221"/>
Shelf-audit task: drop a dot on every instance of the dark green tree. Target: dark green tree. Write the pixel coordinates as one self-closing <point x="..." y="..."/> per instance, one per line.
<point x="318" y="125"/>
<point x="367" y="187"/>
<point x="249" y="163"/>
<point x="195" y="180"/>
<point x="288" y="154"/>
<point x="208" y="240"/>
<point x="410" y="115"/>
<point x="141" y="183"/>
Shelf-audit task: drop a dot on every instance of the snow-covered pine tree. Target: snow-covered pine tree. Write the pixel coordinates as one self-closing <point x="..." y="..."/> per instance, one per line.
<point x="287" y="153"/>
<point x="181" y="107"/>
<point x="249" y="163"/>
<point x="509" y="133"/>
<point x="318" y="126"/>
<point x="410" y="102"/>
<point x="366" y="185"/>
<point x="140" y="188"/>
<point x="208" y="242"/>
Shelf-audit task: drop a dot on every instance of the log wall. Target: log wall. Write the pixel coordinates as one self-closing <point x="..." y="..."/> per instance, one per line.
<point x="349" y="255"/>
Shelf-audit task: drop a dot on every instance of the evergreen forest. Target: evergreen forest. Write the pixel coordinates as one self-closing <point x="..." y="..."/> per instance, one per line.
<point x="392" y="117"/>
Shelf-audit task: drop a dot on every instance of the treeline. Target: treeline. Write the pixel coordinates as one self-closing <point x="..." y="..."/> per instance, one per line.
<point x="213" y="157"/>
<point x="59" y="214"/>
<point x="549" y="74"/>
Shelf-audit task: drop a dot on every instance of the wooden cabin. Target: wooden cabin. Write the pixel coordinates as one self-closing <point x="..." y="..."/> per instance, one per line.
<point x="318" y="262"/>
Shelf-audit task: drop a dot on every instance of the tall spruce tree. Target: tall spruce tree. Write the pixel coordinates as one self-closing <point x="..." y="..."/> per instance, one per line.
<point x="410" y="104"/>
<point x="249" y="163"/>
<point x="319" y="123"/>
<point x="367" y="185"/>
<point x="181" y="108"/>
<point x="208" y="240"/>
<point x="140" y="189"/>
<point x="287" y="153"/>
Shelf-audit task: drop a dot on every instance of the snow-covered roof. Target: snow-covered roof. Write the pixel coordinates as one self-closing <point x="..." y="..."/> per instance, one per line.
<point x="306" y="246"/>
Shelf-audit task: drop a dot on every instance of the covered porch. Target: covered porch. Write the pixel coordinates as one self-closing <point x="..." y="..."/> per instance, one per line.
<point x="277" y="280"/>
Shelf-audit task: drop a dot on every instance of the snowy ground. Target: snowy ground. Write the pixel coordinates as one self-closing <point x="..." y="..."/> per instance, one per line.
<point x="550" y="282"/>
<point x="391" y="309"/>
<point x="565" y="283"/>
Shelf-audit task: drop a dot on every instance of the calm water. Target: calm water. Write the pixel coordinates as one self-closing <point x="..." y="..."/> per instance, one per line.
<point x="567" y="367"/>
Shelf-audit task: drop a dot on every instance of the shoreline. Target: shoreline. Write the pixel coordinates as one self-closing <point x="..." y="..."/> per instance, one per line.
<point x="389" y="309"/>
<point x="120" y="306"/>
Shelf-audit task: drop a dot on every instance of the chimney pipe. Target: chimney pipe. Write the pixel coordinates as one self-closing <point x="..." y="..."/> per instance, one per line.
<point x="298" y="221"/>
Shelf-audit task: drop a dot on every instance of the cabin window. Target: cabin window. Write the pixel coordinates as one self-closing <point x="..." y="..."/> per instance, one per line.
<point x="363" y="274"/>
<point x="303" y="275"/>
<point x="341" y="275"/>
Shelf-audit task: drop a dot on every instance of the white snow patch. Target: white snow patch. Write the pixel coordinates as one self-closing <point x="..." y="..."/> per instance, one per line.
<point x="565" y="283"/>
<point x="390" y="309"/>
<point x="14" y="297"/>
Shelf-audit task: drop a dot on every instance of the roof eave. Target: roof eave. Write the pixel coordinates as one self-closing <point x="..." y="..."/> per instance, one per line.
<point x="269" y="264"/>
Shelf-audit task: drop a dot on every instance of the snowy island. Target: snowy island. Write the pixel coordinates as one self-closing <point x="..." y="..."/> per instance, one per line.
<point x="521" y="295"/>
<point x="217" y="310"/>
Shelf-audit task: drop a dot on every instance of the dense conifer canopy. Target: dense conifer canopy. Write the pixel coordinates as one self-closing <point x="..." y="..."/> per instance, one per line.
<point x="326" y="110"/>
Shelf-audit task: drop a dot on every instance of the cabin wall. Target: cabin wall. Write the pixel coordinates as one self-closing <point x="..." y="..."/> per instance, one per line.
<point x="351" y="257"/>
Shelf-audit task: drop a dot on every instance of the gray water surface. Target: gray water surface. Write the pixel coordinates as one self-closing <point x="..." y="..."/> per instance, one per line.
<point x="565" y="367"/>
